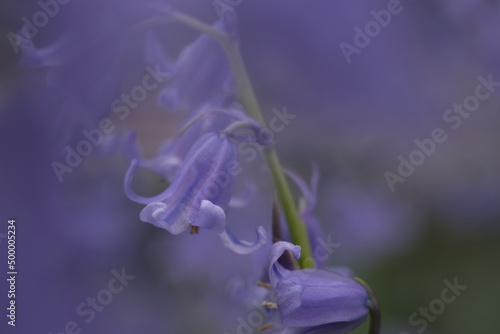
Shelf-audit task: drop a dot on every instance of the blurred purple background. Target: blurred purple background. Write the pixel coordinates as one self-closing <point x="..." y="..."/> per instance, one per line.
<point x="353" y="118"/>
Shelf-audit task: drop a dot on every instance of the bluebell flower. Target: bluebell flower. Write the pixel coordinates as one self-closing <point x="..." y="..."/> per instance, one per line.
<point x="167" y="161"/>
<point x="199" y="194"/>
<point x="315" y="300"/>
<point x="200" y="74"/>
<point x="204" y="120"/>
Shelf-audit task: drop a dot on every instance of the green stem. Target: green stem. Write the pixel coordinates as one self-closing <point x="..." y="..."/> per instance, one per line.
<point x="374" y="308"/>
<point x="298" y="229"/>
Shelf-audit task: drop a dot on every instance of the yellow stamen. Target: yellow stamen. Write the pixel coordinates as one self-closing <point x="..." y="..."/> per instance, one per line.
<point x="264" y="285"/>
<point x="263" y="328"/>
<point x="269" y="305"/>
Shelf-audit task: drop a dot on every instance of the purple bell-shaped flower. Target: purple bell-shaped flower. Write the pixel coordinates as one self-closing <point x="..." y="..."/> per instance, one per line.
<point x="199" y="193"/>
<point x="315" y="300"/>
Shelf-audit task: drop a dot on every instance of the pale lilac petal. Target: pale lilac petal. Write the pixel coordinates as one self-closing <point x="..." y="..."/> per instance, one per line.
<point x="171" y="219"/>
<point x="241" y="246"/>
<point x="201" y="73"/>
<point x="211" y="217"/>
<point x="137" y="198"/>
<point x="278" y="249"/>
<point x="308" y="193"/>
<point x="242" y="122"/>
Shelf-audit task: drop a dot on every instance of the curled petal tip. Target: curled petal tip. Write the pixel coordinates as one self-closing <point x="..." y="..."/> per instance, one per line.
<point x="280" y="247"/>
<point x="156" y="213"/>
<point x="241" y="246"/>
<point x="130" y="192"/>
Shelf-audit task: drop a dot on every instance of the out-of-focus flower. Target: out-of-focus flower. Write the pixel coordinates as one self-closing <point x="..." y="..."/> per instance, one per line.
<point x="200" y="74"/>
<point x="199" y="194"/>
<point x="167" y="160"/>
<point x="204" y="120"/>
<point x="315" y="300"/>
<point x="307" y="205"/>
<point x="84" y="64"/>
<point x="369" y="222"/>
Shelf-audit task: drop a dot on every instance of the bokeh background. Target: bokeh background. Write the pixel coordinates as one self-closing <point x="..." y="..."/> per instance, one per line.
<point x="353" y="119"/>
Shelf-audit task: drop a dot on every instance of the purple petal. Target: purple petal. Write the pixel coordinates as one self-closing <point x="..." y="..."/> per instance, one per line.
<point x="278" y="249"/>
<point x="137" y="198"/>
<point x="157" y="213"/>
<point x="156" y="55"/>
<point x="211" y="217"/>
<point x="309" y="192"/>
<point x="33" y="57"/>
<point x="307" y="214"/>
<point x="200" y="192"/>
<point x="327" y="297"/>
<point x="200" y="74"/>
<point x="241" y="200"/>
<point x="244" y="122"/>
<point x="313" y="297"/>
<point x="241" y="246"/>
<point x="306" y="192"/>
<point x="333" y="328"/>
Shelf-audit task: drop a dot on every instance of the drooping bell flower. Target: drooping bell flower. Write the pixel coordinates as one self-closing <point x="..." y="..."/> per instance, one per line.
<point x="199" y="194"/>
<point x="200" y="73"/>
<point x="315" y="300"/>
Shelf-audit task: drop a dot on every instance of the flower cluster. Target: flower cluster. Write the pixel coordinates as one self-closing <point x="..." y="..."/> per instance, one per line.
<point x="201" y="164"/>
<point x="209" y="85"/>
